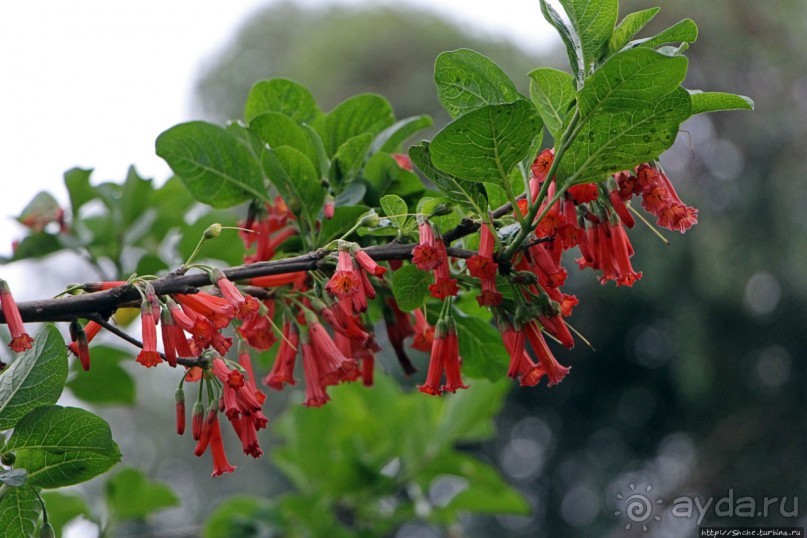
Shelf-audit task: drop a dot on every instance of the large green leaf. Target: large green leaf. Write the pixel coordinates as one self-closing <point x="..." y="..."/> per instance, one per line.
<point x="216" y="167"/>
<point x="467" y="194"/>
<point x="135" y="193"/>
<point x="131" y="495"/>
<point x="365" y="113"/>
<point x="481" y="348"/>
<point x="569" y="38"/>
<point x="410" y="286"/>
<point x="19" y="512"/>
<point x="243" y="517"/>
<point x="553" y="93"/>
<point x="384" y="175"/>
<point x="277" y="129"/>
<point x="106" y="382"/>
<point x="343" y="219"/>
<point x="685" y="31"/>
<point x="349" y="158"/>
<point x="61" y="446"/>
<point x="629" y="27"/>
<point x="395" y="209"/>
<point x="35" y="378"/>
<point x="717" y="101"/>
<point x="630" y="111"/>
<point x="485" y="145"/>
<point x="391" y="138"/>
<point x="77" y="181"/>
<point x="283" y="96"/>
<point x="593" y="22"/>
<point x="467" y="80"/>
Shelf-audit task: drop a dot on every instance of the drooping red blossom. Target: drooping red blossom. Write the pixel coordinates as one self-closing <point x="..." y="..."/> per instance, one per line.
<point x="20" y="340"/>
<point x="451" y="362"/>
<point x="489" y="295"/>
<point x="245" y="306"/>
<point x="197" y="420"/>
<point x="332" y="364"/>
<point x="369" y="264"/>
<point x="555" y="371"/>
<point x="583" y="193"/>
<point x="426" y="256"/>
<point x="220" y="463"/>
<point x="436" y="362"/>
<point x="424" y="332"/>
<point x="283" y="369"/>
<point x="258" y="330"/>
<point x="340" y="318"/>
<point x="81" y="346"/>
<point x="217" y="310"/>
<point x="521" y="367"/>
<point x="315" y="395"/>
<point x="482" y="265"/>
<point x="179" y="395"/>
<point x="345" y="281"/>
<point x="148" y="356"/>
<point x="297" y="279"/>
<point x="444" y="286"/>
<point x="543" y="162"/>
<point x="621" y="209"/>
<point x="660" y="198"/>
<point x="622" y="252"/>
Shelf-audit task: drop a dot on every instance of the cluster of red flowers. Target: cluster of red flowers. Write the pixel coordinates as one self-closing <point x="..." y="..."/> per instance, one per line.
<point x="322" y="316"/>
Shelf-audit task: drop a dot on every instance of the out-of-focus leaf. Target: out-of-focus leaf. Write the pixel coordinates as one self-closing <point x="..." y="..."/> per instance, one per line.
<point x="35" y="378"/>
<point x="227" y="247"/>
<point x="384" y="176"/>
<point x="61" y="446"/>
<point x="243" y="517"/>
<point x="284" y="96"/>
<point x="106" y="383"/>
<point x="77" y="181"/>
<point x="343" y="219"/>
<point x="349" y="158"/>
<point x="390" y="139"/>
<point x="37" y="245"/>
<point x="215" y="166"/>
<point x="135" y="194"/>
<point x="131" y="495"/>
<point x="481" y="349"/>
<point x="63" y="508"/>
<point x="467" y="80"/>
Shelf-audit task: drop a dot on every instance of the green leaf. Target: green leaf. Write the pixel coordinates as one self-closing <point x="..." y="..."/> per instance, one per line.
<point x="277" y="129"/>
<point x="13" y="477"/>
<point x="63" y="508"/>
<point x="685" y="31"/>
<point x="365" y="113"/>
<point x="487" y="492"/>
<point x="296" y="180"/>
<point x="19" y="512"/>
<point x="77" y="181"/>
<point x="384" y="176"/>
<point x="35" y="378"/>
<point x="481" y="348"/>
<point x="61" y="446"/>
<point x="349" y="158"/>
<point x="284" y="96"/>
<point x="467" y="80"/>
<point x="106" y="382"/>
<point x="216" y="167"/>
<point x="390" y="139"/>
<point x="243" y="517"/>
<point x="629" y="27"/>
<point x="395" y="208"/>
<point x="455" y="189"/>
<point x="135" y="193"/>
<point x="630" y="112"/>
<point x="485" y="145"/>
<point x="410" y="286"/>
<point x="467" y="416"/>
<point x="41" y="210"/>
<point x="593" y="22"/>
<point x="570" y="39"/>
<point x="131" y="495"/>
<point x="553" y="94"/>
<point x="36" y="245"/>
<point x="716" y="101"/>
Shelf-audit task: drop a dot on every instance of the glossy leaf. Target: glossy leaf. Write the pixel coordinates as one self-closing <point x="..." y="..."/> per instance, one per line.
<point x="410" y="286"/>
<point x="35" y="378"/>
<point x="703" y="102"/>
<point x="467" y="80"/>
<point x="365" y="113"/>
<point x="455" y="189"/>
<point x="570" y="39"/>
<point x="485" y="145"/>
<point x="215" y="166"/>
<point x="685" y="31"/>
<point x="283" y="96"/>
<point x="553" y="93"/>
<point x="19" y="512"/>
<point x="277" y="129"/>
<point x="349" y="158"/>
<point x="593" y="22"/>
<point x="296" y="180"/>
<point x="131" y="495"/>
<point x="61" y="446"/>
<point x="481" y="348"/>
<point x="629" y="27"/>
<point x="614" y="137"/>
<point x="384" y="175"/>
<point x="395" y="209"/>
<point x="106" y="383"/>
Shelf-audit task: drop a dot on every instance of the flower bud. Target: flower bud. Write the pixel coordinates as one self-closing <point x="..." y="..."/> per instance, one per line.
<point x="47" y="531"/>
<point x="197" y="419"/>
<point x="212" y="231"/>
<point x="179" y="396"/>
<point x="8" y="459"/>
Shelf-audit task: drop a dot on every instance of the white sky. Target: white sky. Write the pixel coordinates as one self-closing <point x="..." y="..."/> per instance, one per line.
<point x="92" y="83"/>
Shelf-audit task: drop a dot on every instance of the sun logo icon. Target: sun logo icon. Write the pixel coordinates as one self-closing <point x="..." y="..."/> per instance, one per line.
<point x="638" y="507"/>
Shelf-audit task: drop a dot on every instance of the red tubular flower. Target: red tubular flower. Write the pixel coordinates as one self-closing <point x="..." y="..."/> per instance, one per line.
<point x="549" y="273"/>
<point x="283" y="369"/>
<point x="521" y="365"/>
<point x="543" y="162"/>
<point x="403" y="161"/>
<point x="481" y="265"/>
<point x="81" y="346"/>
<point x="367" y="365"/>
<point x="329" y="207"/>
<point x="436" y="362"/>
<point x="315" y="395"/>
<point x="216" y="310"/>
<point x="369" y="264"/>
<point x="333" y="366"/>
<point x="20" y="340"/>
<point x="444" y="286"/>
<point x="424" y="332"/>
<point x="245" y="429"/>
<point x="426" y="256"/>
<point x="451" y="362"/>
<point x="659" y="198"/>
<point x="621" y="209"/>
<point x="258" y="330"/>
<point x="296" y="278"/>
<point x="245" y="306"/>
<point x="489" y="296"/>
<point x="345" y="281"/>
<point x="343" y="322"/>
<point x="148" y="356"/>
<point x="175" y="343"/>
<point x="622" y="252"/>
<point x="92" y="287"/>
<point x="197" y="420"/>
<point x="220" y="463"/>
<point x="583" y="193"/>
<point x="207" y="428"/>
<point x="554" y="370"/>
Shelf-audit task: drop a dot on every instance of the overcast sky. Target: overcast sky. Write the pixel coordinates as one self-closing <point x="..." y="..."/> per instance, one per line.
<point x="92" y="83"/>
